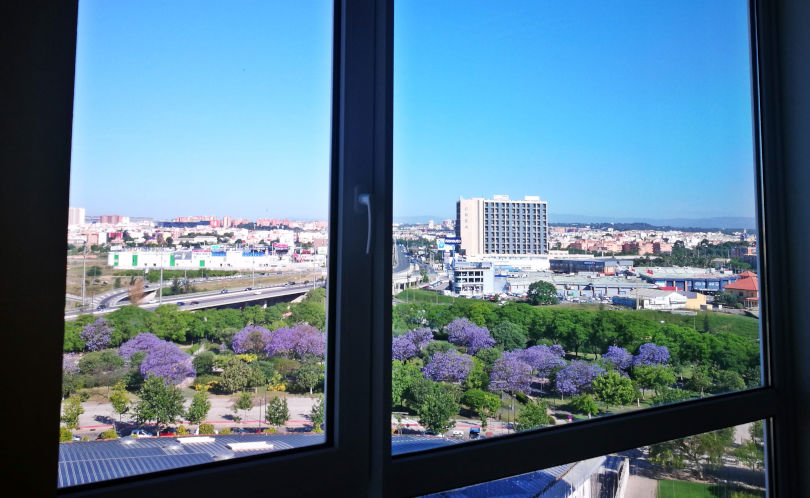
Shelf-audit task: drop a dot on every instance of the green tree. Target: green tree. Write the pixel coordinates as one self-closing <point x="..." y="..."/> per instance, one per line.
<point x="542" y="293"/>
<point x="94" y="271"/>
<point x="727" y="381"/>
<point x="613" y="389"/>
<point x="437" y="408"/>
<point x="701" y="379"/>
<point x="309" y="374"/>
<point x="203" y="363"/>
<point x="509" y="336"/>
<point x="477" y="378"/>
<point x="655" y="377"/>
<point x="277" y="411"/>
<point x="584" y="403"/>
<point x="489" y="356"/>
<point x="751" y="454"/>
<point x="403" y="375"/>
<point x="64" y="434"/>
<point x="316" y="415"/>
<point x="120" y="399"/>
<point x="71" y="409"/>
<point x="199" y="407"/>
<point x="159" y="402"/>
<point x="693" y="452"/>
<point x="235" y="376"/>
<point x="244" y="402"/>
<point x="483" y="403"/>
<point x="533" y="415"/>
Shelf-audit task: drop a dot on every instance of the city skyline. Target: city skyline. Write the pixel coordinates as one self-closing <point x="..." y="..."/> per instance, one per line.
<point x="233" y="116"/>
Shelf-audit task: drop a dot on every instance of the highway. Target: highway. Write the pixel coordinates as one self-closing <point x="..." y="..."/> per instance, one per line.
<point x="213" y="299"/>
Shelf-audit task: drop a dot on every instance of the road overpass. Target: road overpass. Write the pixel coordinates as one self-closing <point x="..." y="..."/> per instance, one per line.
<point x="215" y="299"/>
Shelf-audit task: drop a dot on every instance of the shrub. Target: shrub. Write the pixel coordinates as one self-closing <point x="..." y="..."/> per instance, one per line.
<point x="182" y="431"/>
<point x="108" y="434"/>
<point x="521" y="398"/>
<point x="226" y="431"/>
<point x="65" y="434"/>
<point x="100" y="361"/>
<point x="206" y="429"/>
<point x="271" y="430"/>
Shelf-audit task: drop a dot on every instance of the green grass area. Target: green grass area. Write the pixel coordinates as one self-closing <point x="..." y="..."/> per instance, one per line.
<point x="715" y="322"/>
<point x="684" y="489"/>
<point x="425" y="296"/>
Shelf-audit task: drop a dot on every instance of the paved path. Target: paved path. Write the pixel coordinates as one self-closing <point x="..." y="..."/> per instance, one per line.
<point x="641" y="487"/>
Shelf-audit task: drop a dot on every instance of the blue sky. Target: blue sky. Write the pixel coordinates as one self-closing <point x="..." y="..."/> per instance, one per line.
<point x="639" y="110"/>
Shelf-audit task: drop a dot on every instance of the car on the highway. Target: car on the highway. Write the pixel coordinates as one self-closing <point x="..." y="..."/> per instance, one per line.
<point x="181" y="303"/>
<point x="101" y="306"/>
<point x="248" y="288"/>
<point x="140" y="433"/>
<point x="257" y="292"/>
<point x="194" y="302"/>
<point x="223" y="291"/>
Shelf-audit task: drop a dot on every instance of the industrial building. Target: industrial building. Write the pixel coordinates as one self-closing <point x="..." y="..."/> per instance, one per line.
<point x="703" y="280"/>
<point x="652" y="299"/>
<point x="502" y="226"/>
<point x="576" y="286"/>
<point x="473" y="279"/>
<point x="275" y="258"/>
<point x="607" y="266"/>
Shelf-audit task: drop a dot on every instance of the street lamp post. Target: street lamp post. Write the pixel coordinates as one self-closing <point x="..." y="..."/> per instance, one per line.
<point x="84" y="271"/>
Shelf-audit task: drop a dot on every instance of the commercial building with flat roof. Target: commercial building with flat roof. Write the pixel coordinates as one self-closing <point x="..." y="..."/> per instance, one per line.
<point x="687" y="279"/>
<point x="502" y="226"/>
<point x="473" y="279"/>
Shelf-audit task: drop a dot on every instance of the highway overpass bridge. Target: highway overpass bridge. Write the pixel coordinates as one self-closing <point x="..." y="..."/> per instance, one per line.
<point x="213" y="299"/>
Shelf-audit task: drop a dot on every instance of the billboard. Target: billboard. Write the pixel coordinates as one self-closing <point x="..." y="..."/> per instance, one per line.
<point x="440" y="244"/>
<point x="452" y="241"/>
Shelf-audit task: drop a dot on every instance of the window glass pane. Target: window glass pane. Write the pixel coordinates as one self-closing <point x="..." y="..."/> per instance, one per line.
<point x="574" y="204"/>
<point x="197" y="238"/>
<point x="725" y="463"/>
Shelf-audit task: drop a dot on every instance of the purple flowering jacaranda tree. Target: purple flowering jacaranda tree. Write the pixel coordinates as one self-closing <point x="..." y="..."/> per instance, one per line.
<point x="451" y="366"/>
<point x="168" y="361"/>
<point x="297" y="341"/>
<point x="469" y="335"/>
<point x="620" y="358"/>
<point x="544" y="359"/>
<point x="577" y="377"/>
<point x="651" y="354"/>
<point x="96" y="335"/>
<point x="511" y="373"/>
<point x="141" y="343"/>
<point x="410" y="344"/>
<point x="251" y="339"/>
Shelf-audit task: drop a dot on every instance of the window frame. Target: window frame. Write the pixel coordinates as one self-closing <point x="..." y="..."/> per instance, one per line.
<point x="37" y="120"/>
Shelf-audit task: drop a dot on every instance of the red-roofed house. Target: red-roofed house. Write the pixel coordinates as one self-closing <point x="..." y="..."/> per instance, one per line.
<point x="746" y="289"/>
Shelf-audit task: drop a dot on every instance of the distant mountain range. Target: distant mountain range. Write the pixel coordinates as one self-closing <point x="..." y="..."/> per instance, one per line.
<point x="718" y="223"/>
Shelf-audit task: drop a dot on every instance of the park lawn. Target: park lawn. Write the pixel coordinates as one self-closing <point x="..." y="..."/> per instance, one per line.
<point x="425" y="296"/>
<point x="684" y="489"/>
<point x="744" y="326"/>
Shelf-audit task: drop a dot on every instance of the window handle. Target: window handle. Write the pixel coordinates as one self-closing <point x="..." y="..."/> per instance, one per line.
<point x="364" y="199"/>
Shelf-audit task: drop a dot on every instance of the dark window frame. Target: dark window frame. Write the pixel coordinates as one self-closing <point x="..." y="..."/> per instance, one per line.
<point x="39" y="42"/>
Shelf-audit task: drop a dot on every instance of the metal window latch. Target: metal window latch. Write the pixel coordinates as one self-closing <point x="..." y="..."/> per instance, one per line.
<point x="364" y="199"/>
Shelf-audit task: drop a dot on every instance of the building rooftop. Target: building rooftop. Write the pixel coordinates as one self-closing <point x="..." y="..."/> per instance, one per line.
<point x="744" y="284"/>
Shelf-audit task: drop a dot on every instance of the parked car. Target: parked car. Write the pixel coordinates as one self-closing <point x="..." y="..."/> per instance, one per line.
<point x="76" y="437"/>
<point x="257" y="292"/>
<point x="167" y="432"/>
<point x="141" y="433"/>
<point x="240" y="430"/>
<point x="475" y="432"/>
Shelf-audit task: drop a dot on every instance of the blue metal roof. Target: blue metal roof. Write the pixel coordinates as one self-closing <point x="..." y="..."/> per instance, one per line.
<point x="92" y="461"/>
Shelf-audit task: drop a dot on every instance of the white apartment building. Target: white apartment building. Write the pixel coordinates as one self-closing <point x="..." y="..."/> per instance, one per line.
<point x="75" y="216"/>
<point x="502" y="226"/>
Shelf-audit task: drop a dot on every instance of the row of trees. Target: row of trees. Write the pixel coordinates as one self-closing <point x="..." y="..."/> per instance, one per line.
<point x="465" y="363"/>
<point x="167" y="322"/>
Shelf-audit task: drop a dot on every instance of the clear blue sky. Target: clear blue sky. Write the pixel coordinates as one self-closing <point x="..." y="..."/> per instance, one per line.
<point x="637" y="110"/>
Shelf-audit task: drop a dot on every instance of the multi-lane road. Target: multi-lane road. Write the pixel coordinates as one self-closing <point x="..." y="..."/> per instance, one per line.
<point x="210" y="299"/>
